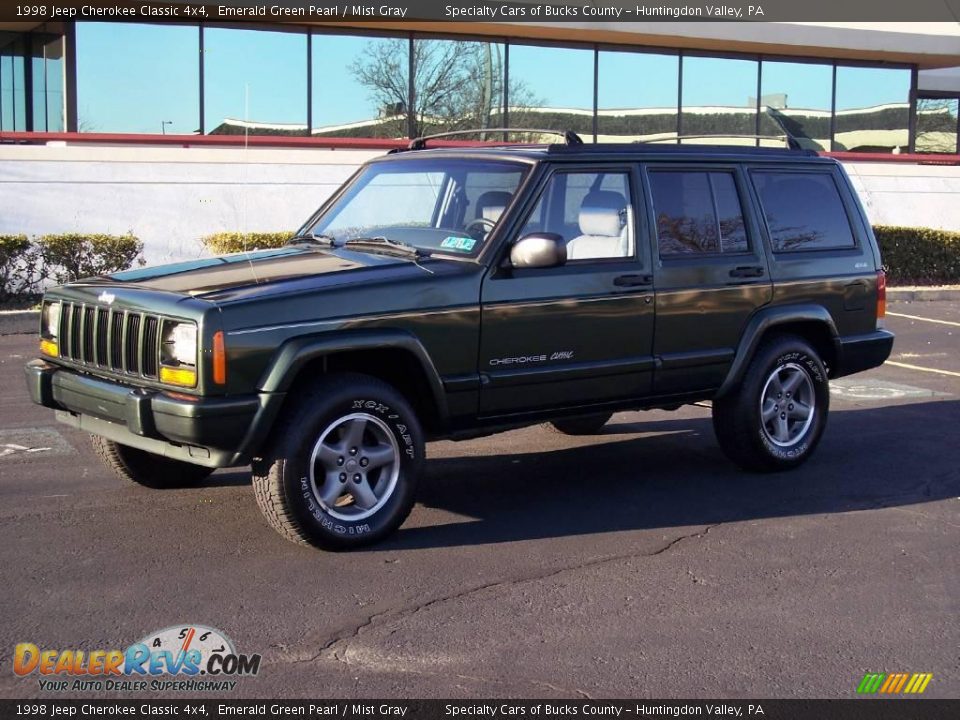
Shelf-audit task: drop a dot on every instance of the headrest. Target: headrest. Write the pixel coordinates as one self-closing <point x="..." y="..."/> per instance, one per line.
<point x="600" y="213"/>
<point x="492" y="203"/>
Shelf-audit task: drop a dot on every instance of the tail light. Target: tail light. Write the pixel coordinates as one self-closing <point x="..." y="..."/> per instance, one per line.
<point x="881" y="297"/>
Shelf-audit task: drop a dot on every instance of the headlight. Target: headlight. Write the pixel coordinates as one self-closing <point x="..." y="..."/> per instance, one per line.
<point x="50" y="325"/>
<point x="50" y="329"/>
<point x="179" y="344"/>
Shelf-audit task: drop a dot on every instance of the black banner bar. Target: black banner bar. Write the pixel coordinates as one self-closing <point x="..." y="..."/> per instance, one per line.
<point x="581" y="11"/>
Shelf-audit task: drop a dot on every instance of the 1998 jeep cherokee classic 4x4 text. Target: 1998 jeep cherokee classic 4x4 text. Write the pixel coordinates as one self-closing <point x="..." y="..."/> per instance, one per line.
<point x="454" y="292"/>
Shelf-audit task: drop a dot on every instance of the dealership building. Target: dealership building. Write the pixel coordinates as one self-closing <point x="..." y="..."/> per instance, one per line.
<point x="176" y="131"/>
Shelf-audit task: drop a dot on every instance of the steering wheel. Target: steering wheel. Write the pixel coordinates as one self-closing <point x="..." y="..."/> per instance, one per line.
<point x="481" y="224"/>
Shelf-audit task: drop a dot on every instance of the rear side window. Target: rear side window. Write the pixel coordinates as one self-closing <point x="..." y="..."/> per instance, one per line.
<point x="697" y="212"/>
<point x="803" y="211"/>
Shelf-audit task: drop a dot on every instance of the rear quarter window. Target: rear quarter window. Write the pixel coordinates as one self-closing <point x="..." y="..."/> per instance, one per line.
<point x="803" y="211"/>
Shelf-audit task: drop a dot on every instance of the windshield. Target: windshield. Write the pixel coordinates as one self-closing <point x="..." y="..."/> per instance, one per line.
<point x="435" y="204"/>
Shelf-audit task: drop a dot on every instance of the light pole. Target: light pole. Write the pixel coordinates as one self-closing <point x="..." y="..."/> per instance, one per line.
<point x="163" y="125"/>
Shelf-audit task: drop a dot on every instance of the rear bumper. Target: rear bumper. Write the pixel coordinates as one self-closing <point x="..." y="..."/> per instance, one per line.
<point x="862" y="352"/>
<point x="213" y="432"/>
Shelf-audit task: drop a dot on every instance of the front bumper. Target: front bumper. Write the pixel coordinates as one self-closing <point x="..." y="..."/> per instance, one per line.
<point x="214" y="432"/>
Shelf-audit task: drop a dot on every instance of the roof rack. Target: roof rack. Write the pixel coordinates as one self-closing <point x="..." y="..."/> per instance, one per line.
<point x="790" y="140"/>
<point x="569" y="136"/>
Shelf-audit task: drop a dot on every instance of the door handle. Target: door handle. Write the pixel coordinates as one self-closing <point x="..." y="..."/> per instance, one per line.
<point x="747" y="271"/>
<point x="633" y="280"/>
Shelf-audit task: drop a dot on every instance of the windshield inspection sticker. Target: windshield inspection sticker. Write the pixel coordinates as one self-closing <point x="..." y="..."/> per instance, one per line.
<point x="464" y="244"/>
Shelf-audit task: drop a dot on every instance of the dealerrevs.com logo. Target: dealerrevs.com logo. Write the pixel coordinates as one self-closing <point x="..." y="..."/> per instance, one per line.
<point x="184" y="658"/>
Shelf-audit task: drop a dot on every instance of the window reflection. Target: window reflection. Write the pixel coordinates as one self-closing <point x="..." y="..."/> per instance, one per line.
<point x="255" y="81"/>
<point x="360" y="86"/>
<point x="551" y="87"/>
<point x="719" y="100"/>
<point x="47" y="78"/>
<point x="873" y="110"/>
<point x="637" y="97"/>
<point x="134" y="78"/>
<point x="13" y="95"/>
<point x="937" y="125"/>
<point x="803" y="211"/>
<point x="697" y="212"/>
<point x="795" y="100"/>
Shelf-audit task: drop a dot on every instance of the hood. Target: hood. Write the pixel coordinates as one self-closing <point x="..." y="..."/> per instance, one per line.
<point x="263" y="272"/>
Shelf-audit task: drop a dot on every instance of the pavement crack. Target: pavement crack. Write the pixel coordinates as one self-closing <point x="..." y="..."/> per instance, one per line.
<point x="338" y="646"/>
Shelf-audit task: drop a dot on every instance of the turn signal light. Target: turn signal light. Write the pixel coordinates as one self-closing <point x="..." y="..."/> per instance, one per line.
<point x="49" y="347"/>
<point x="185" y="377"/>
<point x="219" y="359"/>
<point x="881" y="297"/>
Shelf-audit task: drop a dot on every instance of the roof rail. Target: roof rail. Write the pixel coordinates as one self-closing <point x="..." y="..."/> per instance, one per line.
<point x="789" y="140"/>
<point x="569" y="136"/>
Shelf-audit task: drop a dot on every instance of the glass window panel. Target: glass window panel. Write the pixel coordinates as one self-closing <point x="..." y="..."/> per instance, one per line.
<point x="803" y="211"/>
<point x="138" y="78"/>
<point x="360" y="86"/>
<point x="458" y="85"/>
<point x="937" y="125"/>
<point x="590" y="211"/>
<point x="795" y="99"/>
<point x="13" y="96"/>
<point x="551" y="87"/>
<point x="719" y="100"/>
<point x="255" y="81"/>
<point x="873" y="109"/>
<point x="697" y="212"/>
<point x="47" y="72"/>
<point x="637" y="96"/>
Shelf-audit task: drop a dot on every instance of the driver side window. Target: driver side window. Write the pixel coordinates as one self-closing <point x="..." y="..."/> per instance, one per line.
<point x="591" y="211"/>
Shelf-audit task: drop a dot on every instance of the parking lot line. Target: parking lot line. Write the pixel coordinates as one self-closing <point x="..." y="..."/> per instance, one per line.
<point x="908" y="366"/>
<point x="931" y="320"/>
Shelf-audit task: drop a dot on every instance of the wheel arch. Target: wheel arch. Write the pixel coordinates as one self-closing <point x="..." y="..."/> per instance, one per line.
<point x="811" y="322"/>
<point x="394" y="356"/>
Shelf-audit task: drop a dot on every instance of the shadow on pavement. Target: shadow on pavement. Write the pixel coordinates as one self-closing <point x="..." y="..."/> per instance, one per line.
<point x="868" y="458"/>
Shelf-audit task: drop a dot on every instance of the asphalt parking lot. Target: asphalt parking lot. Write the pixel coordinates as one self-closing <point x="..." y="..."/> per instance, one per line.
<point x="638" y="563"/>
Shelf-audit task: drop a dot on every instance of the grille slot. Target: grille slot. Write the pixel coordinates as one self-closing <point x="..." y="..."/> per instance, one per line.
<point x="116" y="340"/>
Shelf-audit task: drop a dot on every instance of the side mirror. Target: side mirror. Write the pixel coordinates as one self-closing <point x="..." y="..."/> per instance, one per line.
<point x="538" y="250"/>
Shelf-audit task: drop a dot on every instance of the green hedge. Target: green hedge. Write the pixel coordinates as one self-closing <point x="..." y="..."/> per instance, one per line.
<point x="26" y="264"/>
<point x="919" y="256"/>
<point x="231" y="242"/>
<point x="71" y="256"/>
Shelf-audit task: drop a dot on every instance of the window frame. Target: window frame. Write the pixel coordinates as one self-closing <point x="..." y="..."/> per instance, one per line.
<point x="743" y="194"/>
<point x="842" y="194"/>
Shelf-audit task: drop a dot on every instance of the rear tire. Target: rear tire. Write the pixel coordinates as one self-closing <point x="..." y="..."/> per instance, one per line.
<point x="583" y="425"/>
<point x="146" y="468"/>
<point x="775" y="418"/>
<point x="341" y="468"/>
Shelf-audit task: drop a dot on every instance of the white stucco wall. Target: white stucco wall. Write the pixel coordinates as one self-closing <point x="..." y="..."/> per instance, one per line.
<point x="171" y="197"/>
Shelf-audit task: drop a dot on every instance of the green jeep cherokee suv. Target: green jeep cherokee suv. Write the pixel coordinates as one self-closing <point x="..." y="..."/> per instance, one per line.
<point x="451" y="293"/>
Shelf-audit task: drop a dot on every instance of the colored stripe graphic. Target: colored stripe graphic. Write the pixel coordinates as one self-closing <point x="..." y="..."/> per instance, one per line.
<point x="894" y="683"/>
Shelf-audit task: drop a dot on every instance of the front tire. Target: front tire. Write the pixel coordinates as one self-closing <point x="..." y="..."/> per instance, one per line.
<point x="342" y="466"/>
<point x="775" y="418"/>
<point x="146" y="468"/>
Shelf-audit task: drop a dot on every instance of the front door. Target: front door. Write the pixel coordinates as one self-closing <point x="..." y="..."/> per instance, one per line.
<point x="579" y="334"/>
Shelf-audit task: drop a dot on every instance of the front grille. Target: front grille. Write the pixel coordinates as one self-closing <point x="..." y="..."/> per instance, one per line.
<point x="119" y="340"/>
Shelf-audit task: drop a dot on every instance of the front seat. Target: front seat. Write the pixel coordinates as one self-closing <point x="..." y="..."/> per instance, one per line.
<point x="491" y="204"/>
<point x="604" y="228"/>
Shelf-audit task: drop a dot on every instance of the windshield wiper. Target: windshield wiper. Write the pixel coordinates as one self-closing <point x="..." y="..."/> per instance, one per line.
<point x="313" y="239"/>
<point x="381" y="244"/>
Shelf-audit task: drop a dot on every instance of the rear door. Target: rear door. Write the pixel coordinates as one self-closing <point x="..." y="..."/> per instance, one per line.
<point x="711" y="272"/>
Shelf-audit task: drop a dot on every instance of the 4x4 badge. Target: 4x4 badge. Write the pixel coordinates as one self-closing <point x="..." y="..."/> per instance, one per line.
<point x="106" y="297"/>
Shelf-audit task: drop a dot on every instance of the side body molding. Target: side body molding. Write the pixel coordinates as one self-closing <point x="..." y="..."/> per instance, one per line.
<point x="765" y="319"/>
<point x="295" y="353"/>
